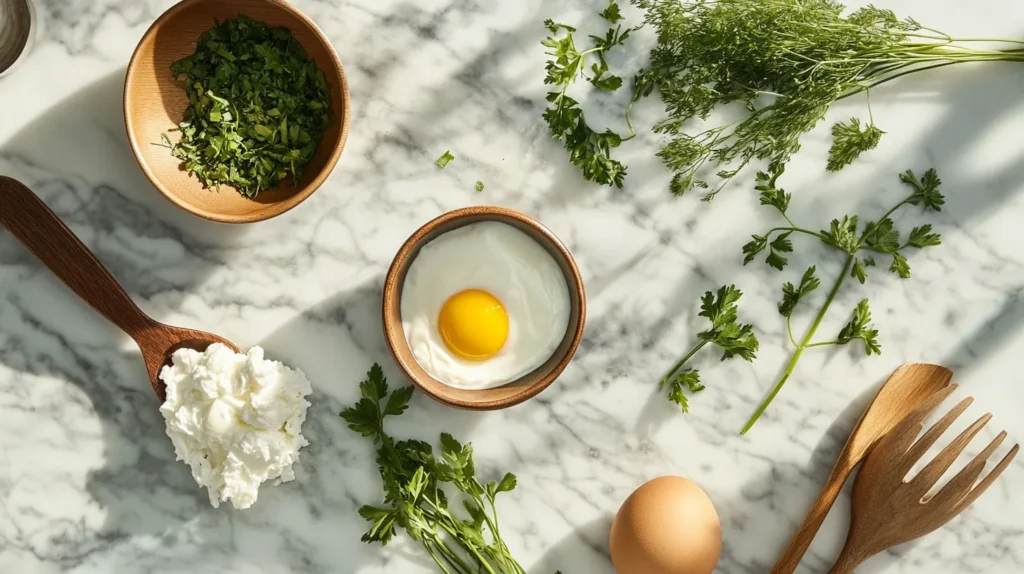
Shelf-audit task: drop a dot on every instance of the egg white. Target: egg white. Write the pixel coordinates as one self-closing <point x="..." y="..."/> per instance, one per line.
<point x="508" y="264"/>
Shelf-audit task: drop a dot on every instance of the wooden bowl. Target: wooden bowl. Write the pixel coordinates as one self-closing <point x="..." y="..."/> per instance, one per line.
<point x="155" y="102"/>
<point x="528" y="385"/>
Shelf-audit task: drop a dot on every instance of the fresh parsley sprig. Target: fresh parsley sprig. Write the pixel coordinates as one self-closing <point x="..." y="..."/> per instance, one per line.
<point x="734" y="338"/>
<point x="859" y="248"/>
<point x="415" y="500"/>
<point x="589" y="150"/>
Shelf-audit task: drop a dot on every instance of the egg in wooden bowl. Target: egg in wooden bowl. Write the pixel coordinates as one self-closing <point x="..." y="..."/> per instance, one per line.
<point x="483" y="308"/>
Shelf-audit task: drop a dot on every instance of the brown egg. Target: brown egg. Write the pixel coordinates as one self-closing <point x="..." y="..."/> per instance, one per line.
<point x="667" y="526"/>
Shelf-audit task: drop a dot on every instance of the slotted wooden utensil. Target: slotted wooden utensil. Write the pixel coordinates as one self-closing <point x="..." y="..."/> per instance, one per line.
<point x="901" y="393"/>
<point x="46" y="236"/>
<point x="888" y="510"/>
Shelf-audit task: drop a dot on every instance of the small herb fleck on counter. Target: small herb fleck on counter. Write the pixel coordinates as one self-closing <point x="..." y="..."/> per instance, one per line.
<point x="445" y="158"/>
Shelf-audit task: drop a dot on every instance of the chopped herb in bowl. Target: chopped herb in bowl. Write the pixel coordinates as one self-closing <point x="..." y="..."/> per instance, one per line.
<point x="257" y="107"/>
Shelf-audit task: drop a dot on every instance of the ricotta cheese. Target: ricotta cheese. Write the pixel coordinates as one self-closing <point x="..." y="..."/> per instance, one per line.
<point x="235" y="419"/>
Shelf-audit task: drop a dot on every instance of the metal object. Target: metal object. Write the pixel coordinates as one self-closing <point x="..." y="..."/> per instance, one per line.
<point x="17" y="20"/>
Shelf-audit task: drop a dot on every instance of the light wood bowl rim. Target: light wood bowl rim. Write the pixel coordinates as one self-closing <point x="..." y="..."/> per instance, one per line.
<point x="286" y="204"/>
<point x="395" y="337"/>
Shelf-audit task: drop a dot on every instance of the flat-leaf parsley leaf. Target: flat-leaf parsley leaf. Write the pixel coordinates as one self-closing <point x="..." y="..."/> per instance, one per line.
<point x="733" y="338"/>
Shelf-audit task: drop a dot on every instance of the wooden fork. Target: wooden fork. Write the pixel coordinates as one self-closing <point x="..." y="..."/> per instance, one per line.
<point x="889" y="510"/>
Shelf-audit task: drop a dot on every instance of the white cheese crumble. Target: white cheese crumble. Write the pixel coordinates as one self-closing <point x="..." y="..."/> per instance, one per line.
<point x="235" y="419"/>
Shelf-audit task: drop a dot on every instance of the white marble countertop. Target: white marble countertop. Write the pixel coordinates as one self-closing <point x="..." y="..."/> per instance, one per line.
<point x="88" y="481"/>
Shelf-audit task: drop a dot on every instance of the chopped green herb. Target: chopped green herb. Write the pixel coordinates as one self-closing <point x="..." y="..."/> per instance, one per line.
<point x="479" y="186"/>
<point x="444" y="159"/>
<point x="257" y="107"/>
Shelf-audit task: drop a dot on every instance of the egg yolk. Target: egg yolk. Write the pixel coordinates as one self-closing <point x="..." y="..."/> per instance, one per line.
<point x="473" y="324"/>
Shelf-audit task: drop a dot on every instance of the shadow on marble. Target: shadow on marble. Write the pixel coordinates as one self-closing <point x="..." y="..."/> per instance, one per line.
<point x="976" y="98"/>
<point x="147" y="498"/>
<point x="583" y="550"/>
<point x="989" y="337"/>
<point x="76" y="157"/>
<point x="81" y="143"/>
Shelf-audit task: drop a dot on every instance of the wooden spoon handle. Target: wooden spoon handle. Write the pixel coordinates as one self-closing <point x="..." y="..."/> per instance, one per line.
<point x="801" y="541"/>
<point x="46" y="236"/>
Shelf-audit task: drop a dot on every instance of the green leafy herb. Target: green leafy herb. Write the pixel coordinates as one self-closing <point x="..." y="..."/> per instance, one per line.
<point x="445" y="159"/>
<point x="787" y="62"/>
<point x="257" y="107"/>
<point x="588" y="149"/>
<point x="611" y="13"/>
<point x="479" y="186"/>
<point x="415" y="500"/>
<point x="792" y="295"/>
<point x="859" y="328"/>
<point x="679" y="384"/>
<point x="858" y="248"/>
<point x="735" y="340"/>
<point x="849" y="141"/>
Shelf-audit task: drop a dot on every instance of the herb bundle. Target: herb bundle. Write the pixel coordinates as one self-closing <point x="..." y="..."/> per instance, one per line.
<point x="858" y="248"/>
<point x="257" y="107"/>
<point x="735" y="340"/>
<point x="786" y="61"/>
<point x="414" y="499"/>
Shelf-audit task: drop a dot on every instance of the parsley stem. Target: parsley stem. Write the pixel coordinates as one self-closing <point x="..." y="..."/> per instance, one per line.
<point x="867" y="96"/>
<point x="468" y="547"/>
<point x="789" y="327"/>
<point x="796" y="229"/>
<point x="867" y="236"/>
<point x="433" y="555"/>
<point x="804" y="344"/>
<point x="824" y="344"/>
<point x="629" y="124"/>
<point x="686" y="357"/>
<point x="499" y="543"/>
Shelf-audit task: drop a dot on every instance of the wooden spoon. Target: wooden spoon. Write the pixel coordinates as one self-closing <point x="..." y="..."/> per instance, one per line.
<point x="45" y="235"/>
<point x="890" y="510"/>
<point x="904" y="390"/>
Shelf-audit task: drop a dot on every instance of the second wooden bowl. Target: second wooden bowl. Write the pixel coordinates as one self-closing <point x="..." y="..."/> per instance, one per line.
<point x="155" y="102"/>
<point x="522" y="388"/>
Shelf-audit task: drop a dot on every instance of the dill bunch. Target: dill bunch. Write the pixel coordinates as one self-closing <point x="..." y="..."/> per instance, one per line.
<point x="786" y="61"/>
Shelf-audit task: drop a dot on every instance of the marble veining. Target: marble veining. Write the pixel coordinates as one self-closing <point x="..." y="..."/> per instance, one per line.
<point x="88" y="481"/>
